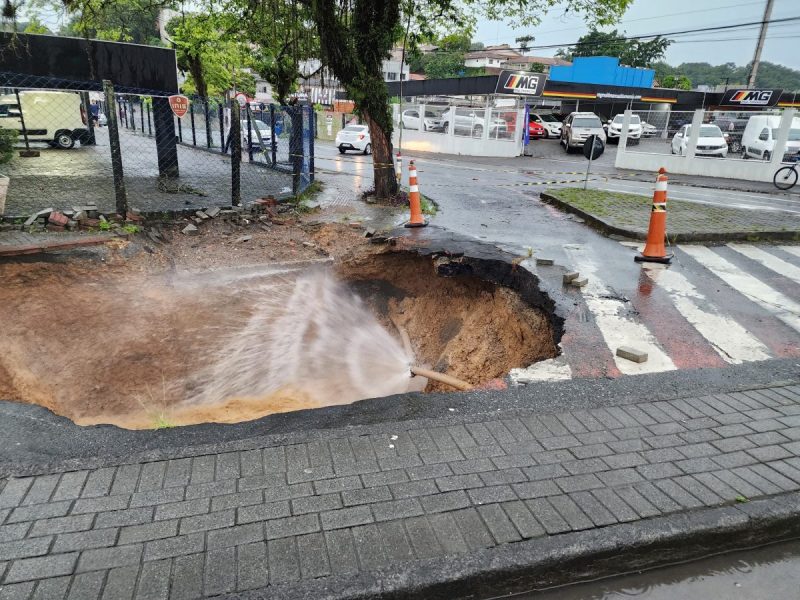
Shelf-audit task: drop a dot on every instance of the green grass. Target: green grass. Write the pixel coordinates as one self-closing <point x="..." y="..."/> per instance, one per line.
<point x="302" y="199"/>
<point x="130" y="228"/>
<point x="162" y="422"/>
<point x="600" y="202"/>
<point x="428" y="207"/>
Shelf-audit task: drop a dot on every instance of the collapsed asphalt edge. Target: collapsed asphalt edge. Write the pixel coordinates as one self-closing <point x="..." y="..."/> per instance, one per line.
<point x="562" y="559"/>
<point x="608" y="229"/>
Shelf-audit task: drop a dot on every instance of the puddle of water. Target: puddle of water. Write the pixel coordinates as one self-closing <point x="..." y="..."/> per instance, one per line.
<point x="767" y="573"/>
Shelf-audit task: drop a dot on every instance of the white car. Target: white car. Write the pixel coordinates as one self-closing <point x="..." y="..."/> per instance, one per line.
<point x="472" y="123"/>
<point x="578" y="126"/>
<point x="648" y="130"/>
<point x="57" y="118"/>
<point x="711" y="142"/>
<point x="431" y="122"/>
<point x="102" y="120"/>
<point x="615" y="128"/>
<point x="354" y="137"/>
<point x="551" y="124"/>
<point x="263" y="130"/>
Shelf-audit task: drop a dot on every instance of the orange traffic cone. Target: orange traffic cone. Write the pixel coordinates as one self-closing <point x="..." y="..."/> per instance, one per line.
<point x="654" y="250"/>
<point x="413" y="198"/>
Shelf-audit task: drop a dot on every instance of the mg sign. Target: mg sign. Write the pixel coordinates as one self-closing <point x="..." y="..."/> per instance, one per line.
<point x="179" y="105"/>
<point x="520" y="83"/>
<point x="736" y="97"/>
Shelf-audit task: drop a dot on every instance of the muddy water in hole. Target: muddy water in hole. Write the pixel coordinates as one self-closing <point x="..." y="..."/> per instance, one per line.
<point x="768" y="573"/>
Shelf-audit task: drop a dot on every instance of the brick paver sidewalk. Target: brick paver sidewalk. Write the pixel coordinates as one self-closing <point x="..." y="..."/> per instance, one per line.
<point x="244" y="520"/>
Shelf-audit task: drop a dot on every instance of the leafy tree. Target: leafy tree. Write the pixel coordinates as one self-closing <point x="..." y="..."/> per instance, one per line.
<point x="680" y="82"/>
<point x="133" y="21"/>
<point x="634" y="53"/>
<point x="36" y="26"/>
<point x="356" y="36"/>
<point x="524" y="42"/>
<point x="445" y="62"/>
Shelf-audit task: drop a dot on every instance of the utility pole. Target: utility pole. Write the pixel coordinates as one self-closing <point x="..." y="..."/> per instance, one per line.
<point x="751" y="82"/>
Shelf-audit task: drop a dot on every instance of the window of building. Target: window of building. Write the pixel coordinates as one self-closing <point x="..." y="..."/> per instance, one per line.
<point x="391" y="76"/>
<point x="402" y="75"/>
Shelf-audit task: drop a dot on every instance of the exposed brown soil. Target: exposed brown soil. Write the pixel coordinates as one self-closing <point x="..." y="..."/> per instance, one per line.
<point x="121" y="340"/>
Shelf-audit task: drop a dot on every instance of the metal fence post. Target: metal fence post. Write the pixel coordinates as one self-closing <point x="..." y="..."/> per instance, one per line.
<point x="133" y="116"/>
<point x="235" y="138"/>
<point x="116" y="151"/>
<point x="191" y="118"/>
<point x="249" y="134"/>
<point x="273" y="139"/>
<point x="142" y="116"/>
<point x="312" y="122"/>
<point x="166" y="140"/>
<point x="180" y="131"/>
<point x="221" y="113"/>
<point x="209" y="141"/>
<point x="87" y="109"/>
<point x="296" y="148"/>
<point x="149" y="124"/>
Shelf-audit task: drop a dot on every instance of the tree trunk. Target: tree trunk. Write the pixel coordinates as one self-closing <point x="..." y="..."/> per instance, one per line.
<point x="196" y="70"/>
<point x="382" y="165"/>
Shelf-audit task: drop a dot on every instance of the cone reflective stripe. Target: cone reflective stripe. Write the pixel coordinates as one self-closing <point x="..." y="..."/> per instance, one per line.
<point x="417" y="219"/>
<point x="398" y="168"/>
<point x="654" y="249"/>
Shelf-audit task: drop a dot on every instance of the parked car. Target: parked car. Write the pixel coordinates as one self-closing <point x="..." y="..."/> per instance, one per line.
<point x="648" y="130"/>
<point x="551" y="124"/>
<point x="472" y="123"/>
<point x="578" y="126"/>
<point x="614" y="130"/>
<point x="710" y="142"/>
<point x="760" y="135"/>
<point x="536" y="130"/>
<point x="57" y="118"/>
<point x="431" y="122"/>
<point x="354" y="137"/>
<point x="256" y="128"/>
<point x="102" y="119"/>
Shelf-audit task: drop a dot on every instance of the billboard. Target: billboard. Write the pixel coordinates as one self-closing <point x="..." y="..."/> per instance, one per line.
<point x="522" y="83"/>
<point x="737" y="97"/>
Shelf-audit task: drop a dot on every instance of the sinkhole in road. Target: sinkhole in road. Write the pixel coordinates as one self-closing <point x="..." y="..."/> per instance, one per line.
<point x="154" y="351"/>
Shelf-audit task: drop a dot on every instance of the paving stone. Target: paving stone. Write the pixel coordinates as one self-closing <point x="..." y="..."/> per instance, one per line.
<point x="16" y="591"/>
<point x="547" y="515"/>
<point x="84" y="540"/>
<point x="454" y="454"/>
<point x="459" y="482"/>
<point x="696" y="465"/>
<point x="41" y="490"/>
<point x="621" y="476"/>
<point x="252" y="569"/>
<point x="313" y="556"/>
<point x="632" y="433"/>
<point x="247" y="498"/>
<point x="341" y="551"/>
<point x="231" y="536"/>
<point x="399" y="462"/>
<point x="274" y="459"/>
<point x="716" y="485"/>
<point x="733" y="459"/>
<point x="733" y="444"/>
<point x="414" y="488"/>
<point x="774" y="477"/>
<point x="202" y="469"/>
<point x="275" y="494"/>
<point x="622" y="461"/>
<point x="165" y="496"/>
<point x="24" y="548"/>
<point x="108" y="558"/>
<point x="310" y="474"/>
<point x="572" y="514"/>
<point x="371" y="554"/>
<point x="32" y="568"/>
<point x="767" y="438"/>
<point x="207" y="522"/>
<point x="218" y="576"/>
<point x="339" y="484"/>
<point x="611" y="501"/>
<point x="658" y="471"/>
<point x="95" y="505"/>
<point x="387" y="477"/>
<point x="502" y="476"/>
<point x="345" y="517"/>
<point x="187" y="577"/>
<point x="559" y="443"/>
<point x="211" y="488"/>
<point x="447" y="533"/>
<point x="677" y="493"/>
<point x="315" y="504"/>
<point x="473" y="529"/>
<point x="397" y="509"/>
<point x="284" y="564"/>
<point x="596" y="437"/>
<point x="55" y="588"/>
<point x="251" y="464"/>
<point x="59" y="525"/>
<point x="591" y="451"/>
<point x="656" y="497"/>
<point x="536" y="489"/>
<point x="17" y="531"/>
<point x="366" y="496"/>
<point x="176" y="546"/>
<point x="787" y="470"/>
<point x="227" y="466"/>
<point x="430" y="471"/>
<point x="125" y="480"/>
<point x="488" y="495"/>
<point x="514" y="460"/>
<point x="768" y="453"/>
<point x="593" y="508"/>
<point x="477" y="465"/>
<point x="664" y="441"/>
<point x="70" y="486"/>
<point x="447" y="501"/>
<point x="86" y="586"/>
<point x="545" y="472"/>
<point x="154" y="581"/>
<point x="178" y="472"/>
<point x="637" y="502"/>
<point x="739" y="485"/>
<point x="577" y="483"/>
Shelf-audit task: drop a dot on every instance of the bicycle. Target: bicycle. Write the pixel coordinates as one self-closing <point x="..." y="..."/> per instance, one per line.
<point x="786" y="177"/>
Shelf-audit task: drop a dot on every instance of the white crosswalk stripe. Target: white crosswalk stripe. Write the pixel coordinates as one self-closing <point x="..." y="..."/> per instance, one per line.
<point x="731" y="341"/>
<point x="618" y="326"/>
<point x="770" y="261"/>
<point x="776" y="303"/>
<point x="791" y="250"/>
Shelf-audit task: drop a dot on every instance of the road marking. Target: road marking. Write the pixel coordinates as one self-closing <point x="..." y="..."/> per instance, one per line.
<point x="791" y="250"/>
<point x="773" y="263"/>
<point x="617" y="328"/>
<point x="750" y="287"/>
<point x="731" y="341"/>
<point x="552" y="369"/>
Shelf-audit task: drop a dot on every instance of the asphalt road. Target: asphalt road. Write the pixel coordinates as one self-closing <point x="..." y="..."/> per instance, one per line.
<point x="713" y="307"/>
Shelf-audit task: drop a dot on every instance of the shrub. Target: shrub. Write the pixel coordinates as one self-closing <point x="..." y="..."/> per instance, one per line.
<point x="8" y="138"/>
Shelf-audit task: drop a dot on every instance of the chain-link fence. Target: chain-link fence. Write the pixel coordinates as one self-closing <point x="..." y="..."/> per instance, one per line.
<point x="119" y="150"/>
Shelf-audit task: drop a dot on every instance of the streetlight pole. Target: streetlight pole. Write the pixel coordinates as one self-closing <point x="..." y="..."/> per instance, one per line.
<point x="751" y="82"/>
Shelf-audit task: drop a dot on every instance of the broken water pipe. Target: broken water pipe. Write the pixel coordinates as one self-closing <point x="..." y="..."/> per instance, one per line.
<point x="459" y="384"/>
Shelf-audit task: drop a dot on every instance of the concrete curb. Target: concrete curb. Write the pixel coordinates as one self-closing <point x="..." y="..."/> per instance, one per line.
<point x="608" y="229"/>
<point x="561" y="559"/>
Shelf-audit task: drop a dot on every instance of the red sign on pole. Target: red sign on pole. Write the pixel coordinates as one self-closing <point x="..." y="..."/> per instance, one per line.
<point x="179" y="105"/>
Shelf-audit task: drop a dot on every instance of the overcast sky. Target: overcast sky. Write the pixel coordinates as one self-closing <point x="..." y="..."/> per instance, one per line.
<point x="654" y="16"/>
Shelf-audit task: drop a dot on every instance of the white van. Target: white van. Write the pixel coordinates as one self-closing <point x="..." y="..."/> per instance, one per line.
<point x="761" y="132"/>
<point x="57" y="118"/>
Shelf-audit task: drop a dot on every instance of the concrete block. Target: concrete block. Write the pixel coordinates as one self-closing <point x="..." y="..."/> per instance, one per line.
<point x="570" y="276"/>
<point x="579" y="282"/>
<point x="545" y="261"/>
<point x="190" y="230"/>
<point x="632" y="354"/>
<point x="212" y="212"/>
<point x="202" y="215"/>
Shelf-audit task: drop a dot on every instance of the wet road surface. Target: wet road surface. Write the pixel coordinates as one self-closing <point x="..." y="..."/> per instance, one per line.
<point x="713" y="307"/>
<point x="768" y="573"/>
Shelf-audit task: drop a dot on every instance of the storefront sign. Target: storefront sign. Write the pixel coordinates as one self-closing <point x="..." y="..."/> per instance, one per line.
<point x="520" y="83"/>
<point x="736" y="97"/>
<point x="610" y="96"/>
<point x="179" y="105"/>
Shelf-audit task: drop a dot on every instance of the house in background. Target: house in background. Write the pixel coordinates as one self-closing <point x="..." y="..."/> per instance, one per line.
<point x="494" y="59"/>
